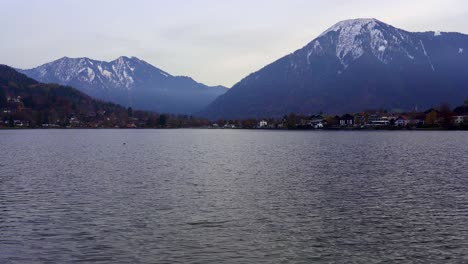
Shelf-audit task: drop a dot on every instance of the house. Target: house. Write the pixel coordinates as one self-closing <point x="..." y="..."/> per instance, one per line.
<point x="18" y="123"/>
<point x="461" y="115"/>
<point x="229" y="126"/>
<point x="359" y="119"/>
<point x="263" y="124"/>
<point x="304" y="122"/>
<point x="315" y="120"/>
<point x="74" y="121"/>
<point x="401" y="121"/>
<point x="14" y="99"/>
<point x="318" y="126"/>
<point x="417" y="119"/>
<point x="346" y="120"/>
<point x="460" y="119"/>
<point x="377" y="120"/>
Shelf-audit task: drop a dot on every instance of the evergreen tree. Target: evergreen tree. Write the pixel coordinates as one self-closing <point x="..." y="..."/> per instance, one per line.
<point x="3" y="99"/>
<point x="130" y="112"/>
<point x="446" y="114"/>
<point x="162" y="120"/>
<point x="11" y="122"/>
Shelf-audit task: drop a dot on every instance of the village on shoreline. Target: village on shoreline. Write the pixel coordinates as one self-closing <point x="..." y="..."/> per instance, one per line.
<point x="16" y="115"/>
<point x="441" y="118"/>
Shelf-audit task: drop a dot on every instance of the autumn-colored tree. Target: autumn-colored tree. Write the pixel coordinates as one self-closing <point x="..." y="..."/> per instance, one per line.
<point x="366" y="118"/>
<point x="331" y="120"/>
<point x="292" y="121"/>
<point x="431" y="118"/>
<point x="221" y="122"/>
<point x="446" y="115"/>
<point x="249" y="123"/>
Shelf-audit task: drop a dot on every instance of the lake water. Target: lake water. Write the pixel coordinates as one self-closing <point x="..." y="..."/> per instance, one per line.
<point x="233" y="196"/>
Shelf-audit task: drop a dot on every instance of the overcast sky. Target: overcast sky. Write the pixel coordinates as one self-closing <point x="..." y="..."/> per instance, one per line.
<point x="213" y="41"/>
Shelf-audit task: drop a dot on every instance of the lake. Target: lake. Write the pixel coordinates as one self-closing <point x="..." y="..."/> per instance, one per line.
<point x="233" y="196"/>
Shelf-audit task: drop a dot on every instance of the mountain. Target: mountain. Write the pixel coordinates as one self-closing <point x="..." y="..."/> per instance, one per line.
<point x="24" y="102"/>
<point x="355" y="65"/>
<point x="26" y="99"/>
<point x="129" y="82"/>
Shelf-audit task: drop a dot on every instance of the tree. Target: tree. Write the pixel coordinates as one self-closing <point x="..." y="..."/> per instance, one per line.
<point x="130" y="112"/>
<point x="152" y="121"/>
<point x="431" y="118"/>
<point x="221" y="122"/>
<point x="28" y="102"/>
<point x="162" y="120"/>
<point x="3" y="100"/>
<point x="291" y="121"/>
<point x="331" y="120"/>
<point x="446" y="114"/>
<point x="45" y="118"/>
<point x="249" y="123"/>
<point x="11" y="122"/>
<point x="366" y="117"/>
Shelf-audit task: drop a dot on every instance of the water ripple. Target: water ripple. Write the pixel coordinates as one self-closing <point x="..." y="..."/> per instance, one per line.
<point x="224" y="196"/>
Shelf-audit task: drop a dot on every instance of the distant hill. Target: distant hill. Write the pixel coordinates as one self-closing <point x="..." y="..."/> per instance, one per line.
<point x="129" y="82"/>
<point x="24" y="102"/>
<point x="354" y="65"/>
<point x="47" y="103"/>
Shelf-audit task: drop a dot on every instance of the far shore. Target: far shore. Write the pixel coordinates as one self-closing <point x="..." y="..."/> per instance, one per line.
<point x="258" y="129"/>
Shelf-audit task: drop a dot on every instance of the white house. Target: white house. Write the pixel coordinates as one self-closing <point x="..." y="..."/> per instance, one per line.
<point x="347" y="120"/>
<point x="460" y="119"/>
<point x="263" y="124"/>
<point x="377" y="120"/>
<point x="401" y="121"/>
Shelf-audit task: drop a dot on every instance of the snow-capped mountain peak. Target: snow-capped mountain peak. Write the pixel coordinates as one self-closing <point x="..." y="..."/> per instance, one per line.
<point x="352" y="25"/>
<point x="354" y="65"/>
<point x="129" y="81"/>
<point x="353" y="38"/>
<point x="116" y="73"/>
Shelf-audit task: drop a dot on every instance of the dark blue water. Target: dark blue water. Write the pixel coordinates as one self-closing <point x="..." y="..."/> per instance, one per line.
<point x="232" y="196"/>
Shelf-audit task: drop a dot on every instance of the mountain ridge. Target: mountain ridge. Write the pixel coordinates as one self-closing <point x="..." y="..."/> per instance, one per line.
<point x="129" y="81"/>
<point x="354" y="65"/>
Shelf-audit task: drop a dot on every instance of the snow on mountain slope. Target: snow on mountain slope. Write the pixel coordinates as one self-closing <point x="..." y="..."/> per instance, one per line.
<point x="354" y="65"/>
<point x="130" y="82"/>
<point x="119" y="73"/>
<point x="353" y="38"/>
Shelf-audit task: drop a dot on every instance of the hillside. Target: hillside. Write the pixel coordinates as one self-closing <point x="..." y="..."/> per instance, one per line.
<point x="353" y="66"/>
<point x="130" y="82"/>
<point x="33" y="104"/>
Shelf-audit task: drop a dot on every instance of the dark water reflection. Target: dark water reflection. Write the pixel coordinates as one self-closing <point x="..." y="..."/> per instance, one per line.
<point x="223" y="196"/>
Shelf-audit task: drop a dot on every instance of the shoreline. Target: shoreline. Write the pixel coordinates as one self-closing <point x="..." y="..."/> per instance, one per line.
<point x="260" y="129"/>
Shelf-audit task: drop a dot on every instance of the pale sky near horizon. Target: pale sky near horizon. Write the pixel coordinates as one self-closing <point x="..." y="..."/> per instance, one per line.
<point x="213" y="41"/>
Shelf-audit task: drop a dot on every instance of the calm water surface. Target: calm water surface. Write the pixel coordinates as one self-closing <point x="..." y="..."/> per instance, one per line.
<point x="225" y="196"/>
